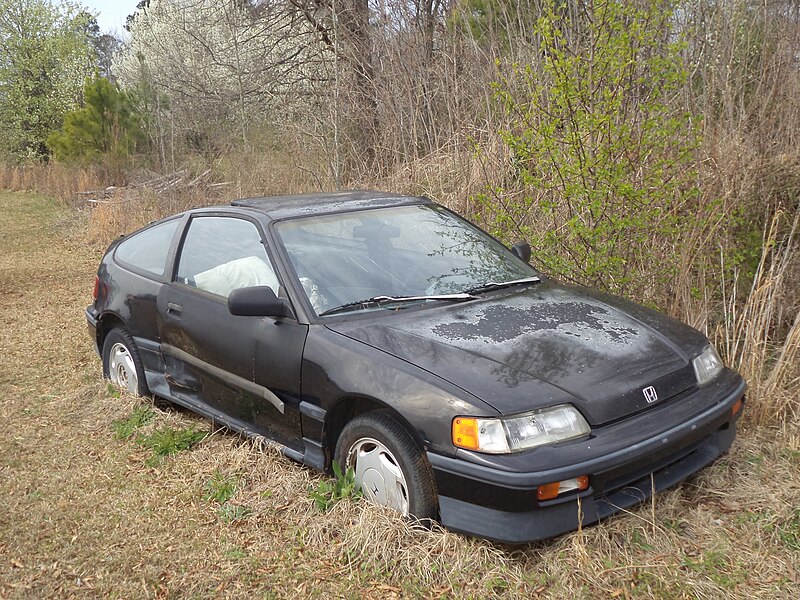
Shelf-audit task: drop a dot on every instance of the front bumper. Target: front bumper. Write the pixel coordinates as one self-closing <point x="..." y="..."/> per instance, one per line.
<point x="626" y="462"/>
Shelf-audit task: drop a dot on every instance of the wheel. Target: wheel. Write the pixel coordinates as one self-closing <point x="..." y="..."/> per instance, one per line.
<point x="121" y="362"/>
<point x="388" y="465"/>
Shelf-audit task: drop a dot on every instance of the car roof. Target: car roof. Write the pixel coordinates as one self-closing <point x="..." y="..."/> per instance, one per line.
<point x="283" y="207"/>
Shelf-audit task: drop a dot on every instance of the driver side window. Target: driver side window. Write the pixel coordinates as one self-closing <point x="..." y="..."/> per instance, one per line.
<point x="221" y="254"/>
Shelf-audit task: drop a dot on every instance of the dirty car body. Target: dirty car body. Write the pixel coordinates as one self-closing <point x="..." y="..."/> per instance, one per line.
<point x="387" y="334"/>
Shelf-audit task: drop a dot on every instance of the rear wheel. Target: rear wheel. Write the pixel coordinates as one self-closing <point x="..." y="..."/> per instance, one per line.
<point x="122" y="364"/>
<point x="388" y="465"/>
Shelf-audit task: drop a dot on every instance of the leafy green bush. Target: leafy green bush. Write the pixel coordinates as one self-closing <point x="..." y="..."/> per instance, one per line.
<point x="45" y="54"/>
<point x="602" y="154"/>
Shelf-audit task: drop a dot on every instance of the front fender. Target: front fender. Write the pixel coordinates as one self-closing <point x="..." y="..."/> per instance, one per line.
<point x="340" y="369"/>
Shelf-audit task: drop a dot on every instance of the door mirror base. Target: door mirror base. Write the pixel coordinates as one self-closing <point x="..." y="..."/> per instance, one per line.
<point x="522" y="250"/>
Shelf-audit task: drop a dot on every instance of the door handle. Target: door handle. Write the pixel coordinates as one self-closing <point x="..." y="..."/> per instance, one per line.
<point x="174" y="309"/>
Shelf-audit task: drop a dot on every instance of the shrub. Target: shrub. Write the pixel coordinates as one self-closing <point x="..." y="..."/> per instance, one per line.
<point x="106" y="129"/>
<point x="602" y="163"/>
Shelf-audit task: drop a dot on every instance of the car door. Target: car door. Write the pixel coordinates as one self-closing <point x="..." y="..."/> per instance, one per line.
<point x="139" y="262"/>
<point x="212" y="356"/>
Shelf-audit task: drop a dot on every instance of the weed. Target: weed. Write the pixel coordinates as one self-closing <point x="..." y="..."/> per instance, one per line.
<point x="647" y="584"/>
<point x="327" y="492"/>
<point x="786" y="529"/>
<point x="236" y="553"/>
<point x="793" y="456"/>
<point x="789" y="533"/>
<point x="231" y="513"/>
<point x="113" y="390"/>
<point x="717" y="567"/>
<point x="167" y="441"/>
<point x="125" y="428"/>
<point x="496" y="585"/>
<point x="754" y="459"/>
<point x="220" y="488"/>
<point x="672" y="524"/>
<point x="638" y="539"/>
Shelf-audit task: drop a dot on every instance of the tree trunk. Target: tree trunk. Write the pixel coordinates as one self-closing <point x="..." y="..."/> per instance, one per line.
<point x="355" y="44"/>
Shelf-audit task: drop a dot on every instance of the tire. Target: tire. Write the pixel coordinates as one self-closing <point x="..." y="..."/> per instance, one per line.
<point x="122" y="364"/>
<point x="388" y="465"/>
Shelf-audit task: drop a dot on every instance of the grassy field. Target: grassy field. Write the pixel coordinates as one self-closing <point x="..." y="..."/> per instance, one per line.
<point x="88" y="512"/>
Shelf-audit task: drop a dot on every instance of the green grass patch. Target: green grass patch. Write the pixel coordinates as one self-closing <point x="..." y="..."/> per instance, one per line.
<point x="125" y="428"/>
<point x="236" y="553"/>
<point x="638" y="540"/>
<point x="168" y="441"/>
<point x="220" y="488"/>
<point x="789" y="532"/>
<point x="718" y="567"/>
<point x="232" y="513"/>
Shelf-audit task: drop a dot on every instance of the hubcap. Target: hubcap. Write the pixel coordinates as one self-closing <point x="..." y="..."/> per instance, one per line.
<point x="121" y="368"/>
<point x="378" y="474"/>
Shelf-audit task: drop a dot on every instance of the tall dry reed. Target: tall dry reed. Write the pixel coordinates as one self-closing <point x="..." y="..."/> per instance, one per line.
<point x="759" y="336"/>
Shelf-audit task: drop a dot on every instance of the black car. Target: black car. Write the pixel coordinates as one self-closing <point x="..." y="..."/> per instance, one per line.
<point x="386" y="333"/>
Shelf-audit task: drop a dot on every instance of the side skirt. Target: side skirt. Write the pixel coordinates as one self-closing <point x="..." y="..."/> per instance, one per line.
<point x="313" y="455"/>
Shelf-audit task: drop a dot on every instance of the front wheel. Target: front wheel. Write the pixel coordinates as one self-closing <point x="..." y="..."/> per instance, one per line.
<point x="122" y="364"/>
<point x="388" y="465"/>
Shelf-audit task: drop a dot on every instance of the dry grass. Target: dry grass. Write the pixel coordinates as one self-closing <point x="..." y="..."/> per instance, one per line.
<point x="452" y="175"/>
<point x="53" y="179"/>
<point x="83" y="516"/>
<point x="128" y="209"/>
<point x="448" y="176"/>
<point x="761" y="336"/>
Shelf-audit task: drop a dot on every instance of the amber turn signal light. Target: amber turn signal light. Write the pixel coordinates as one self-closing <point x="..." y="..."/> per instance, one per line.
<point x="548" y="491"/>
<point x="465" y="433"/>
<point x="737" y="406"/>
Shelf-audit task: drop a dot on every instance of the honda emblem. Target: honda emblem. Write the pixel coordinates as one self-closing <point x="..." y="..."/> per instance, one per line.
<point x="650" y="394"/>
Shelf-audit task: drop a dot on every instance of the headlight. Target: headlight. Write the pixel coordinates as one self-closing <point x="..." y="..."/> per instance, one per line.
<point x="707" y="365"/>
<point x="511" y="434"/>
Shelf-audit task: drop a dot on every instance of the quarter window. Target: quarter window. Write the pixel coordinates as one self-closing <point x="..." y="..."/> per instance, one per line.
<point x="148" y="249"/>
<point x="221" y="254"/>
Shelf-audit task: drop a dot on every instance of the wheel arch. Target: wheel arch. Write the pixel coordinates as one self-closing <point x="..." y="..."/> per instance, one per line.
<point x="105" y="324"/>
<point x="348" y="408"/>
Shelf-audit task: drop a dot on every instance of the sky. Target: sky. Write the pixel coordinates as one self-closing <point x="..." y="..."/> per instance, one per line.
<point x="111" y="13"/>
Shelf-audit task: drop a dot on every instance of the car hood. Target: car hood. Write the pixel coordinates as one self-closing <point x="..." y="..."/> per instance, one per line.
<point x="543" y="345"/>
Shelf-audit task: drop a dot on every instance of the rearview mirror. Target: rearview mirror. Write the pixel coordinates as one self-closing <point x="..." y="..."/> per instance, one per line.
<point x="258" y="301"/>
<point x="522" y="250"/>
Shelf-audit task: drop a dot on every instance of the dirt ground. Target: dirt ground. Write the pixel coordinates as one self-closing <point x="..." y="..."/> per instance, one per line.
<point x="83" y="515"/>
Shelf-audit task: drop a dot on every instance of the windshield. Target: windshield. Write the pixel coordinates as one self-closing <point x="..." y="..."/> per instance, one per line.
<point x="420" y="250"/>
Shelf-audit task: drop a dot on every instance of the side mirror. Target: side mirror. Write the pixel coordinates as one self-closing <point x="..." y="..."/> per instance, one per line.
<point x="258" y="301"/>
<point x="522" y="250"/>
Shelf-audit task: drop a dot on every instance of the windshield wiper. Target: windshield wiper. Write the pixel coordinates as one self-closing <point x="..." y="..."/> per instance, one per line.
<point x="491" y="286"/>
<point x="382" y="300"/>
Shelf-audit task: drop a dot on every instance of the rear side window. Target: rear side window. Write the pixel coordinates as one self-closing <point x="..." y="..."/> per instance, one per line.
<point x="221" y="254"/>
<point x="148" y="249"/>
